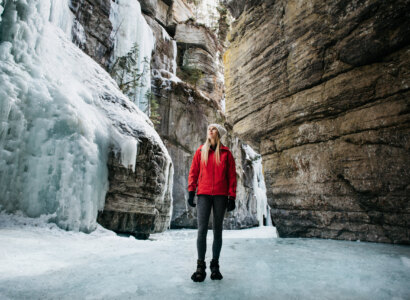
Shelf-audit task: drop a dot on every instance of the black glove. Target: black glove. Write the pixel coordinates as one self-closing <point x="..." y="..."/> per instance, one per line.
<point x="191" y="198"/>
<point x="231" y="203"/>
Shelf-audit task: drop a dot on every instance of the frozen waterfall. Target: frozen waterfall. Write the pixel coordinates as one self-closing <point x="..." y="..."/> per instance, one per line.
<point x="259" y="189"/>
<point x="130" y="29"/>
<point x="60" y="113"/>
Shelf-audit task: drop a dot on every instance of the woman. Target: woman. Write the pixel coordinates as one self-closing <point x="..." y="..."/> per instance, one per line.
<point x="213" y="172"/>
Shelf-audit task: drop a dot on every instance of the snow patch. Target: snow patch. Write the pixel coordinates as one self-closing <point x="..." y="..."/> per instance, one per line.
<point x="166" y="81"/>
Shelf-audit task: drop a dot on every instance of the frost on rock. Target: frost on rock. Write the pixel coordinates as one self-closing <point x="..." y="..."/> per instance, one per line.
<point x="78" y="33"/>
<point x="259" y="188"/>
<point x="166" y="78"/>
<point x="60" y="113"/>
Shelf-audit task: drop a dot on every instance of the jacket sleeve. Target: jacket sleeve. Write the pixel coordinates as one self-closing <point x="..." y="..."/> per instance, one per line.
<point x="231" y="175"/>
<point x="194" y="171"/>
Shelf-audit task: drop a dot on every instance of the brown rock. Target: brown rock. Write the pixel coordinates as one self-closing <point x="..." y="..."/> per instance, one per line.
<point x="191" y="34"/>
<point x="321" y="91"/>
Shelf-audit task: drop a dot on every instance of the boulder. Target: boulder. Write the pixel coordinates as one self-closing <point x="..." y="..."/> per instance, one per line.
<point x="139" y="202"/>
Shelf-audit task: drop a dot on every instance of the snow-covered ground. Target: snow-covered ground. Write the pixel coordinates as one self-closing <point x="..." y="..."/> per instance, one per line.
<point x="38" y="260"/>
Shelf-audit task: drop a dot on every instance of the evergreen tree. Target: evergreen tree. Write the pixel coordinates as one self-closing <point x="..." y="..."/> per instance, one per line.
<point x="129" y="77"/>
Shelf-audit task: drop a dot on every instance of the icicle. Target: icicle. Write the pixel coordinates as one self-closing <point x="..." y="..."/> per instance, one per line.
<point x="174" y="60"/>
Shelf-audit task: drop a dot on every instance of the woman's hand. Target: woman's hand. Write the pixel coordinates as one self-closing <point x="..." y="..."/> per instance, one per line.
<point x="191" y="198"/>
<point x="231" y="203"/>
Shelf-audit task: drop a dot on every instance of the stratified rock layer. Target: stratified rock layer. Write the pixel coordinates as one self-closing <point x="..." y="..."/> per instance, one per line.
<point x="139" y="202"/>
<point x="322" y="91"/>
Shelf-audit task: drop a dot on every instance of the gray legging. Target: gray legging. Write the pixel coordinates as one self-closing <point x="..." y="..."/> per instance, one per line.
<point x="204" y="205"/>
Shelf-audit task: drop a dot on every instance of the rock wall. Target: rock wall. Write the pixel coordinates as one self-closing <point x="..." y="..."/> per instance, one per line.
<point x="185" y="118"/>
<point x="321" y="90"/>
<point x="93" y="28"/>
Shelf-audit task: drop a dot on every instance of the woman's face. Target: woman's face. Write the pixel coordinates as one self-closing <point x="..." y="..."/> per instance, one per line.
<point x="212" y="132"/>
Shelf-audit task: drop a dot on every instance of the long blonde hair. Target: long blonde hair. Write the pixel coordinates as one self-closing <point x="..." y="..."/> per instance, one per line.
<point x="207" y="145"/>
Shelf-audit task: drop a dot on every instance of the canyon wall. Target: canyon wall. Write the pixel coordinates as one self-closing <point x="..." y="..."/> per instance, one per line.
<point x="185" y="108"/>
<point x="321" y="90"/>
<point x="181" y="109"/>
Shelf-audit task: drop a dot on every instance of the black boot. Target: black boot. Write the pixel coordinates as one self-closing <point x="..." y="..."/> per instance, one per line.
<point x="200" y="273"/>
<point x="215" y="270"/>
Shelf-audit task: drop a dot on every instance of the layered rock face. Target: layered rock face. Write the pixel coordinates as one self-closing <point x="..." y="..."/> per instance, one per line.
<point x="322" y="91"/>
<point x="139" y="202"/>
<point x="199" y="48"/>
<point x="198" y="53"/>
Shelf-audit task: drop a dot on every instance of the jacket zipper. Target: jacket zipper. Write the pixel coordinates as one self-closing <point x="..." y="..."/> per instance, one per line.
<point x="213" y="174"/>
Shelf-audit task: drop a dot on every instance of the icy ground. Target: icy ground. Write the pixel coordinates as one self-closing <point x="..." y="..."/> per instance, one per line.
<point x="38" y="260"/>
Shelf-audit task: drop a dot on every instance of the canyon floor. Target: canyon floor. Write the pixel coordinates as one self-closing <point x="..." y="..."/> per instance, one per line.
<point x="40" y="261"/>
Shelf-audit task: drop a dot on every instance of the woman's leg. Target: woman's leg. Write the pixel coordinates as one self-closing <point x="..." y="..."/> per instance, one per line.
<point x="219" y="207"/>
<point x="204" y="205"/>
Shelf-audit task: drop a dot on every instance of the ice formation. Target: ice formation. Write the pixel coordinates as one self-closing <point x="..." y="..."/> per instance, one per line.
<point x="206" y="12"/>
<point x="130" y="28"/>
<point x="45" y="262"/>
<point x="259" y="188"/>
<point x="60" y="113"/>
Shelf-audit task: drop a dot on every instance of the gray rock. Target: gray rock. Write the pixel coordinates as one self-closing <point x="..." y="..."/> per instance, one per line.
<point x="235" y="7"/>
<point x="93" y="17"/>
<point x="211" y="82"/>
<point x="185" y="115"/>
<point x="156" y="9"/>
<point x="190" y="34"/>
<point x="165" y="47"/>
<point x="139" y="202"/>
<point x="179" y="12"/>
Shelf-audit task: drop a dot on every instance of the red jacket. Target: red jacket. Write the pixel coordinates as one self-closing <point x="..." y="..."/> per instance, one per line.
<point x="213" y="179"/>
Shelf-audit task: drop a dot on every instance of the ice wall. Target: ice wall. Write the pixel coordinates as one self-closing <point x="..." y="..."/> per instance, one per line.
<point x="259" y="189"/>
<point x="60" y="112"/>
<point x="130" y="28"/>
<point x="1" y="8"/>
